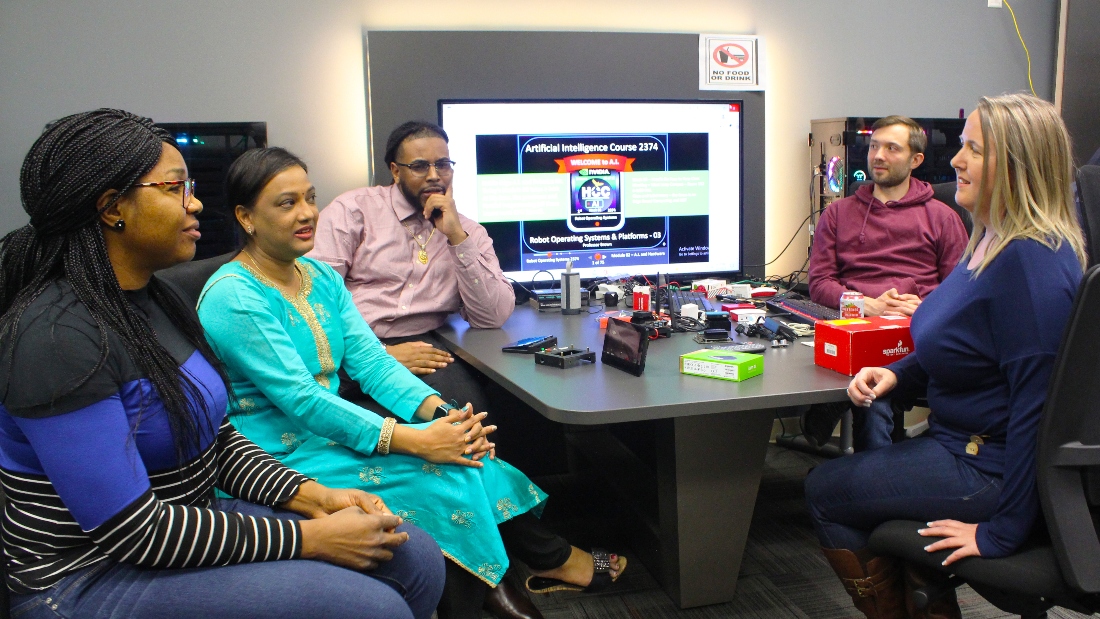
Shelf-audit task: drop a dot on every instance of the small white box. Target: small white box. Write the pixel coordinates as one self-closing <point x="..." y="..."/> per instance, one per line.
<point x="747" y="316"/>
<point x="741" y="291"/>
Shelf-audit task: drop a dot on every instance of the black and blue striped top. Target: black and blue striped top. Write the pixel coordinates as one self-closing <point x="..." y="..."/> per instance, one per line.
<point x="90" y="467"/>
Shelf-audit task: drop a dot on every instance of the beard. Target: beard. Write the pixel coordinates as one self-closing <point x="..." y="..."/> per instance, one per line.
<point x="416" y="200"/>
<point x="892" y="177"/>
<point x="413" y="199"/>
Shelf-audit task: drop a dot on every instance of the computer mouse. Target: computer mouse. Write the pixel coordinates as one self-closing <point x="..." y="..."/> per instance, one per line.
<point x="764" y="291"/>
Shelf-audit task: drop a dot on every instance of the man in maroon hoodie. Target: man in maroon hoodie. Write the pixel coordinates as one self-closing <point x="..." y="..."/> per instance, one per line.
<point x="891" y="241"/>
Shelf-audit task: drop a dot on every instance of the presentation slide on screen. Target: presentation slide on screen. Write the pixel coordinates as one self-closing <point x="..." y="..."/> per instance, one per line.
<point x="652" y="199"/>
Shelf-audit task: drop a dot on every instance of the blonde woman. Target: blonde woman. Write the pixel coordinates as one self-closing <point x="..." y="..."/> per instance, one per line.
<point x="985" y="344"/>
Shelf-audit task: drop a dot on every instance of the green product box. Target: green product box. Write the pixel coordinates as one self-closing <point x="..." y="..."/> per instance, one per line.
<point x="722" y="364"/>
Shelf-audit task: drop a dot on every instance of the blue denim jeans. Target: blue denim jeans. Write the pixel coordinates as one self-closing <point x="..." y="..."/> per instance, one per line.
<point x="917" y="479"/>
<point x="875" y="430"/>
<point x="406" y="587"/>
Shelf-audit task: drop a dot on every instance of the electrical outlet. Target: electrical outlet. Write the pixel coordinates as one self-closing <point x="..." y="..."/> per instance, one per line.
<point x="994" y="4"/>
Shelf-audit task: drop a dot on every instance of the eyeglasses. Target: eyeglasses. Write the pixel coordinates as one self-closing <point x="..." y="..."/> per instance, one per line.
<point x="420" y="168"/>
<point x="187" y="184"/>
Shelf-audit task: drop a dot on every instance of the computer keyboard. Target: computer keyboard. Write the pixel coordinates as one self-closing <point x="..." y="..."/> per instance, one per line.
<point x="677" y="298"/>
<point x="802" y="309"/>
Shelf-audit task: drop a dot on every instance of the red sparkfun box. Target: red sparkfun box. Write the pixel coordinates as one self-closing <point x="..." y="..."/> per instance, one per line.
<point x="849" y="345"/>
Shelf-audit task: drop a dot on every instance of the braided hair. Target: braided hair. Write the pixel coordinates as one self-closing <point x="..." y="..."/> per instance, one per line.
<point x="75" y="161"/>
<point x="411" y="130"/>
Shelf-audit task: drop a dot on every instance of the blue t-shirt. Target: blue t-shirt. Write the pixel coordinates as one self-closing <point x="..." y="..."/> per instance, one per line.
<point x="985" y="349"/>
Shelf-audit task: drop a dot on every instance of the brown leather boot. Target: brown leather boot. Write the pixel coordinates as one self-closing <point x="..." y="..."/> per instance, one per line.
<point x="944" y="606"/>
<point x="873" y="582"/>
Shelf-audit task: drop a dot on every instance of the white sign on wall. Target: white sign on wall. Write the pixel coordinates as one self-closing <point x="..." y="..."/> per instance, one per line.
<point x="729" y="62"/>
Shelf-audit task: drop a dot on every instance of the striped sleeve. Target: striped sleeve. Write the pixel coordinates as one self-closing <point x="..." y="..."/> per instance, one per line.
<point x="151" y="533"/>
<point x="248" y="472"/>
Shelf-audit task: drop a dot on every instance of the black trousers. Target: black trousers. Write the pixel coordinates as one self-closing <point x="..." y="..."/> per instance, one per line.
<point x="458" y="381"/>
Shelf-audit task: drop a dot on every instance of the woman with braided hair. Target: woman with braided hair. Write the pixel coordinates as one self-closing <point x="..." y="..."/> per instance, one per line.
<point x="113" y="432"/>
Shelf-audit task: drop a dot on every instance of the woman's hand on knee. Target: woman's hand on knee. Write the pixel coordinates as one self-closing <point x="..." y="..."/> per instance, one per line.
<point x="955" y="534"/>
<point x="314" y="500"/>
<point x="870" y="384"/>
<point x="352" y="538"/>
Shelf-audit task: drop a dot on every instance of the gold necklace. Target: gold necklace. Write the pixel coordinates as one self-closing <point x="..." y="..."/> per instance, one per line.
<point x="423" y="254"/>
<point x="264" y="273"/>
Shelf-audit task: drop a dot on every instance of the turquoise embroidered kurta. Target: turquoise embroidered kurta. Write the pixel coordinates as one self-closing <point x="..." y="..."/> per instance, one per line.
<point x="282" y="355"/>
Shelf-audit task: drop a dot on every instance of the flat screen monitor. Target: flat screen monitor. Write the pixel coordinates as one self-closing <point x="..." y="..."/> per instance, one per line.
<point x="616" y="187"/>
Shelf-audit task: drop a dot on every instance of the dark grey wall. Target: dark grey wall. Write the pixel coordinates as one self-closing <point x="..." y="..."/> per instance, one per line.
<point x="419" y="68"/>
<point x="1081" y="77"/>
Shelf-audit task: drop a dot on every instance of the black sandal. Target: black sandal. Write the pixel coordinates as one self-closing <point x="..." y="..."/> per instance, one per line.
<point x="601" y="576"/>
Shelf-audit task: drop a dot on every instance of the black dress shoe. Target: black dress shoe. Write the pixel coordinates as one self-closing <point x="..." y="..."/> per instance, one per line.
<point x="508" y="601"/>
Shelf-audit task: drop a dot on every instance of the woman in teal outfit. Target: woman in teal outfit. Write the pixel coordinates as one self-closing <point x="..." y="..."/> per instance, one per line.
<point x="284" y="324"/>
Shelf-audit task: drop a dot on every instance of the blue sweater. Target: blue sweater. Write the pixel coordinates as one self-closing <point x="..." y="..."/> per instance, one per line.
<point x="985" y="349"/>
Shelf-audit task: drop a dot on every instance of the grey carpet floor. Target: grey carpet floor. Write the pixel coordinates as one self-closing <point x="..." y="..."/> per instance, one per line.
<point x="783" y="574"/>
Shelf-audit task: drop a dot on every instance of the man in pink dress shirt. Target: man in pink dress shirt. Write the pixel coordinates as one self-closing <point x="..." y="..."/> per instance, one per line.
<point x="410" y="259"/>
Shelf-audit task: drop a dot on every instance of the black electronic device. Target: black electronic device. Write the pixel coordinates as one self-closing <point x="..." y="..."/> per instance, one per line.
<point x="756" y="329"/>
<point x="625" y="346"/>
<point x="550" y="298"/>
<point x="530" y="345"/>
<point x="654" y="326"/>
<point x="780" y="329"/>
<point x="565" y="357"/>
<point x="712" y="336"/>
<point x="719" y="320"/>
<point x="611" y="299"/>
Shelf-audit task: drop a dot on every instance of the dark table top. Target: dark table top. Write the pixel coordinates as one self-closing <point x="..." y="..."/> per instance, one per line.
<point x="598" y="393"/>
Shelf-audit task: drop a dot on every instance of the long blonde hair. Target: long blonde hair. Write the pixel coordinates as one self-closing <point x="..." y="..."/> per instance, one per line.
<point x="1029" y="190"/>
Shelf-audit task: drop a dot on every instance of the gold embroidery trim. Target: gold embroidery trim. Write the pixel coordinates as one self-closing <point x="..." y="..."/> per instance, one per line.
<point x="467" y="568"/>
<point x="300" y="302"/>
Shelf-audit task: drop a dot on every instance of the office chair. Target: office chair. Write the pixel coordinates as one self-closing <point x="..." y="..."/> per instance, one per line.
<point x="192" y="276"/>
<point x="1088" y="204"/>
<point x="1064" y="568"/>
<point x="945" y="192"/>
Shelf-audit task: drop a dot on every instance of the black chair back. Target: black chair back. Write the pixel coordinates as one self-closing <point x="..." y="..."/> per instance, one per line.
<point x="192" y="276"/>
<point x="1088" y="203"/>
<point x="945" y="192"/>
<point x="1069" y="444"/>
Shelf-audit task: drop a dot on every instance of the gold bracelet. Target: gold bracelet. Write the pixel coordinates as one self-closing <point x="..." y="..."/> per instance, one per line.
<point x="385" y="436"/>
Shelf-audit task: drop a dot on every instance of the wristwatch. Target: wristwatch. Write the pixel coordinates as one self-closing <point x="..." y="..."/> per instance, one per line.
<point x="443" y="410"/>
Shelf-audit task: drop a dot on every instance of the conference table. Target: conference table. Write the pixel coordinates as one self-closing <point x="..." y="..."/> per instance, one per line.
<point x="711" y="436"/>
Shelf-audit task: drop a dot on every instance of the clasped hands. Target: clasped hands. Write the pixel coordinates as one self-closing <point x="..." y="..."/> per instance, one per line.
<point x="890" y="303"/>
<point x="458" y="438"/>
<point x="346" y="527"/>
<point x="872" y="383"/>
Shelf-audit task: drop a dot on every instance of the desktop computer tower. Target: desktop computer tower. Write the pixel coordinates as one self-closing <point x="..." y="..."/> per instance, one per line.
<point x="209" y="149"/>
<point x="838" y="156"/>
